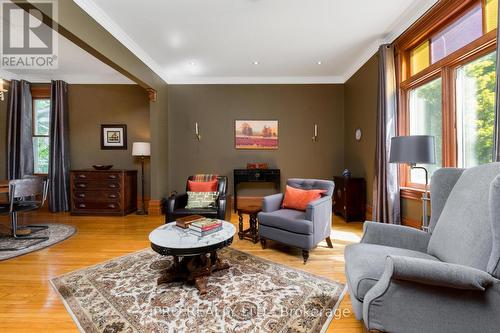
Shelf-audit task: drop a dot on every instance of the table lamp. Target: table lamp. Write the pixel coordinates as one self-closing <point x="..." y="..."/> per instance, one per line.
<point x="411" y="150"/>
<point x="142" y="150"/>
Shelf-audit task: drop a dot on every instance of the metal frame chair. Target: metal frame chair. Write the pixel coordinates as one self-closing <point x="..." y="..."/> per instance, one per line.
<point x="25" y="195"/>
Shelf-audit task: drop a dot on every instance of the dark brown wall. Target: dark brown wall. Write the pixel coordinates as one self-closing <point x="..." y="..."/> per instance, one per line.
<point x="93" y="105"/>
<point x="216" y="107"/>
<point x="361" y="112"/>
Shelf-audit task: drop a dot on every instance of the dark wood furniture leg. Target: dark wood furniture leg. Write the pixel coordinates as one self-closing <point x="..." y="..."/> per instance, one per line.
<point x="241" y="232"/>
<point x="253" y="228"/>
<point x="305" y="255"/>
<point x="263" y="243"/>
<point x="329" y="242"/>
<point x="195" y="270"/>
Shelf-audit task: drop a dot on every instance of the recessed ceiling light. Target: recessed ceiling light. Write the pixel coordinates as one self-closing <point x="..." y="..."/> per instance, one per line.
<point x="320" y="62"/>
<point x="255" y="62"/>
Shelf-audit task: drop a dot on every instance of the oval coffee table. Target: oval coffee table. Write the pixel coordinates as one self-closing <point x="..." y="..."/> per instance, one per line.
<point x="195" y="258"/>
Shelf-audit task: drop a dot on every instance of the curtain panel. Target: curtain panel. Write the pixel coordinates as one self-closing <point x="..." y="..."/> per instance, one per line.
<point x="19" y="130"/>
<point x="386" y="199"/>
<point x="59" y="148"/>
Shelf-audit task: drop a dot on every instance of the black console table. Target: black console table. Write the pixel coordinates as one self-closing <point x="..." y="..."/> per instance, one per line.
<point x="255" y="176"/>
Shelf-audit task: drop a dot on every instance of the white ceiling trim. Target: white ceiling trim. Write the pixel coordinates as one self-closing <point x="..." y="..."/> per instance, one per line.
<point x="114" y="29"/>
<point x="410" y="16"/>
<point x="258" y="80"/>
<point x="404" y="22"/>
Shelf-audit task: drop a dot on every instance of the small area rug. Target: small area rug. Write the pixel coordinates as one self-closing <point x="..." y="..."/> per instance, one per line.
<point x="56" y="233"/>
<point x="253" y="295"/>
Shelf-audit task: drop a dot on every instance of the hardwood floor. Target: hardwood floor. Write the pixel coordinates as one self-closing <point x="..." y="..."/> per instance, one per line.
<point x="28" y="303"/>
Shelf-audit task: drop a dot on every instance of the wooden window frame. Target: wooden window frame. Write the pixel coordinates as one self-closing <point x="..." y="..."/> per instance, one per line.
<point x="440" y="16"/>
<point x="38" y="93"/>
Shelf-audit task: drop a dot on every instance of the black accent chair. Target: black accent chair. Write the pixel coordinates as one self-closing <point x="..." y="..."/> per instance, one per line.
<point x="175" y="205"/>
<point x="25" y="195"/>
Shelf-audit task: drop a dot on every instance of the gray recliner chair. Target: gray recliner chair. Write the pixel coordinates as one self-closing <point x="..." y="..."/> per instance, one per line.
<point x="404" y="280"/>
<point x="298" y="228"/>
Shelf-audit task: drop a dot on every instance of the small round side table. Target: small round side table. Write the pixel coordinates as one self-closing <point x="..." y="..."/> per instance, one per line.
<point x="252" y="232"/>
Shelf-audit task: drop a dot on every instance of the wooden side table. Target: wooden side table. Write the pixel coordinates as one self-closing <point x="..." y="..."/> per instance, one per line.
<point x="252" y="233"/>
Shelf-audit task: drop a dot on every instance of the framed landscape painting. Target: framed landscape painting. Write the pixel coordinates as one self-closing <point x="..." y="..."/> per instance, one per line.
<point x="256" y="134"/>
<point x="114" y="136"/>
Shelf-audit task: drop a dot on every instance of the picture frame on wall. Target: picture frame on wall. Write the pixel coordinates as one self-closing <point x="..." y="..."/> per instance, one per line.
<point x="256" y="134"/>
<point x="114" y="136"/>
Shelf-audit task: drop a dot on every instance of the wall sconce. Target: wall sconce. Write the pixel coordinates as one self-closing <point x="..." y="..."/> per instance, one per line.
<point x="2" y="91"/>
<point x="197" y="131"/>
<point x="315" y="136"/>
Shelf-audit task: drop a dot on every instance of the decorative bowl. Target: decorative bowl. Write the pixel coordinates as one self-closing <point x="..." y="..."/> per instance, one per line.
<point x="102" y="167"/>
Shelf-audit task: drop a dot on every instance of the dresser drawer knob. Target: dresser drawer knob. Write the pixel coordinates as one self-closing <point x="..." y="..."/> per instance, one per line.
<point x="112" y="176"/>
<point x="112" y="196"/>
<point x="82" y="176"/>
<point x="81" y="195"/>
<point x="111" y="206"/>
<point x="82" y="185"/>
<point x="112" y="185"/>
<point x="82" y="205"/>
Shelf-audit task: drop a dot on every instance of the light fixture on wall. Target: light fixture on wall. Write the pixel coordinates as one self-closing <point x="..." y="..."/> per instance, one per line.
<point x="315" y="133"/>
<point x="2" y="90"/>
<point x="197" y="131"/>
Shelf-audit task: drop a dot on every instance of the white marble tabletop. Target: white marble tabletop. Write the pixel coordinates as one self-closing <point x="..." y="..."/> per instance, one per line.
<point x="171" y="236"/>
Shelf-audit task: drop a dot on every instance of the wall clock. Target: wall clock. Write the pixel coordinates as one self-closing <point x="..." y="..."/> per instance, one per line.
<point x="358" y="134"/>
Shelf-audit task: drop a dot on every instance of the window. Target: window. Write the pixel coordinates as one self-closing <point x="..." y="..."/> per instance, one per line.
<point x="426" y="119"/>
<point x="475" y="98"/>
<point x="446" y="77"/>
<point x="41" y="124"/>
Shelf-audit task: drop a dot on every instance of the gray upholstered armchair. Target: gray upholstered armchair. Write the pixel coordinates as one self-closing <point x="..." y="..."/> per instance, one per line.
<point x="405" y="280"/>
<point x="298" y="228"/>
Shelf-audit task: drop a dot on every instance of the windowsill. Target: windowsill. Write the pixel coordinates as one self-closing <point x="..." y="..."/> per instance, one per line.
<point x="412" y="193"/>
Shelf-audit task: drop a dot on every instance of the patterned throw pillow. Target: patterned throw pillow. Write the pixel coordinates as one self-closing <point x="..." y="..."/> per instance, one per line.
<point x="202" y="199"/>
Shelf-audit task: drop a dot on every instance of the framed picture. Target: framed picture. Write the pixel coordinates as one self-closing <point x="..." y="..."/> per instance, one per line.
<point x="114" y="137"/>
<point x="256" y="134"/>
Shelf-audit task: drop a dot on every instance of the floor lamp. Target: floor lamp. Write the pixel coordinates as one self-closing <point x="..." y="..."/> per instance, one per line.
<point x="142" y="150"/>
<point x="413" y="150"/>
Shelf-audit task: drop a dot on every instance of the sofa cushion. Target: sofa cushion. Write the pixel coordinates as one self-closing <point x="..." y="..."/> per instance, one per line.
<point x="287" y="219"/>
<point x="463" y="233"/>
<point x="365" y="263"/>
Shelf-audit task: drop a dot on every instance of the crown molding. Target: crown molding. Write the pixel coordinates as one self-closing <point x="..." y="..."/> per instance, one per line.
<point x="410" y="16"/>
<point x="91" y="8"/>
<point x="258" y="80"/>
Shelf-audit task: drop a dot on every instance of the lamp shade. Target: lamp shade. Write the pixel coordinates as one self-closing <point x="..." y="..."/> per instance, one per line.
<point x="413" y="149"/>
<point x="141" y="149"/>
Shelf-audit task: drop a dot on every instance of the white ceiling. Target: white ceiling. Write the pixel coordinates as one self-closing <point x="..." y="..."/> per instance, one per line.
<point x="75" y="66"/>
<point x="254" y="41"/>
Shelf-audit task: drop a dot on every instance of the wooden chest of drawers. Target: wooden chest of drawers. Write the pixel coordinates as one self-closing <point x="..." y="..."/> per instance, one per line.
<point x="350" y="198"/>
<point x="110" y="192"/>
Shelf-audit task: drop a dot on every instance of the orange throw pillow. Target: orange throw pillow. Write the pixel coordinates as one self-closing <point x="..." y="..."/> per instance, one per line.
<point x="299" y="199"/>
<point x="210" y="186"/>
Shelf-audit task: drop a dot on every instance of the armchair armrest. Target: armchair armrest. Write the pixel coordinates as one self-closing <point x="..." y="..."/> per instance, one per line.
<point x="437" y="273"/>
<point x="221" y="206"/>
<point x="318" y="207"/>
<point x="176" y="201"/>
<point x="319" y="212"/>
<point x="396" y="236"/>
<point x="272" y="203"/>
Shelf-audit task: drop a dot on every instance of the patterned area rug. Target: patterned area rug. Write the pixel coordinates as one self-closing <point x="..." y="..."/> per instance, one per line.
<point x="55" y="232"/>
<point x="253" y="295"/>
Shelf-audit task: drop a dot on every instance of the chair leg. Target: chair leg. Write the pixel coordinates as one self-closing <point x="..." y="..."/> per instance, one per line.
<point x="305" y="255"/>
<point x="263" y="242"/>
<point x="13" y="218"/>
<point x="329" y="242"/>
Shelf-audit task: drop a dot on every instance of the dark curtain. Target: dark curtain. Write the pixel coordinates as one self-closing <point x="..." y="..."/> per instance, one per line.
<point x="496" y="139"/>
<point x="19" y="130"/>
<point x="386" y="201"/>
<point x="59" y="148"/>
